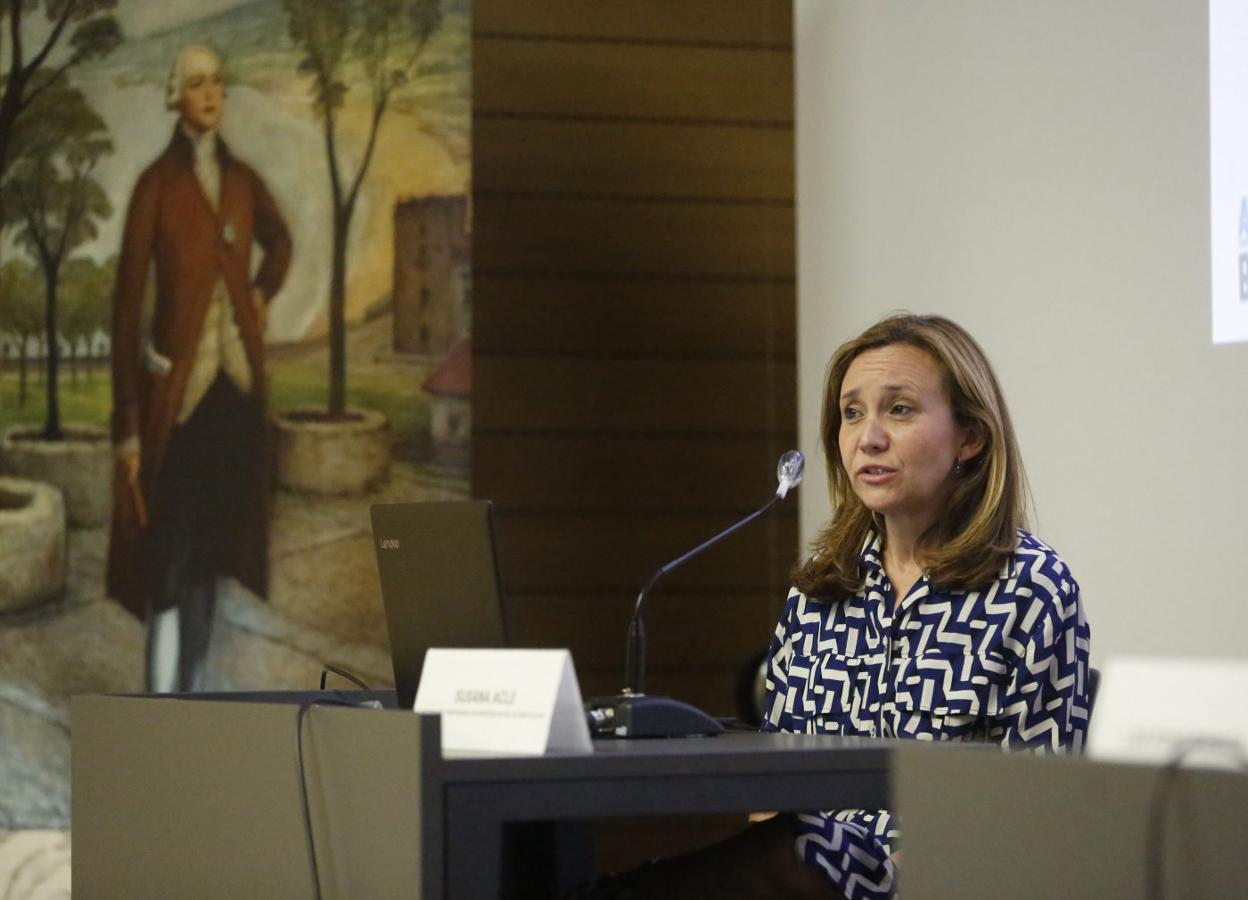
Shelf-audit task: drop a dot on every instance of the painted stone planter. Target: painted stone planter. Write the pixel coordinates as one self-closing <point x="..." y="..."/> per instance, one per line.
<point x="81" y="465"/>
<point x="318" y="455"/>
<point x="32" y="543"/>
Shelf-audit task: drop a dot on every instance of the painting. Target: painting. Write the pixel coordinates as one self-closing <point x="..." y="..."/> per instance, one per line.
<point x="235" y="311"/>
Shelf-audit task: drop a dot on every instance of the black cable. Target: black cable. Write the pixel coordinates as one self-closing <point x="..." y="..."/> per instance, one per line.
<point x="303" y="785"/>
<point x="1155" y="873"/>
<point x="326" y="668"/>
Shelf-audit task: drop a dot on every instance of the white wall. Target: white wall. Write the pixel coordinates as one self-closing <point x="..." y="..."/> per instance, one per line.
<point x="1038" y="171"/>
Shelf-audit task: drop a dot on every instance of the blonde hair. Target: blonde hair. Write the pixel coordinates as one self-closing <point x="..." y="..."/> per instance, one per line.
<point x="978" y="530"/>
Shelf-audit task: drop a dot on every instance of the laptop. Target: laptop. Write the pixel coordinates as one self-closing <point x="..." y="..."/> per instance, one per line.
<point x="439" y="582"/>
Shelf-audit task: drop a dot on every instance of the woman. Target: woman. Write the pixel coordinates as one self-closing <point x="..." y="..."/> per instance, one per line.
<point x="926" y="610"/>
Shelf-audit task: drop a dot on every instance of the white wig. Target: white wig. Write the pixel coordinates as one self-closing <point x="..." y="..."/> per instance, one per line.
<point x="188" y="63"/>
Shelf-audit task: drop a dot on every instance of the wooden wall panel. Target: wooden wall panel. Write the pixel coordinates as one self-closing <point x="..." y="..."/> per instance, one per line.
<point x="749" y="22"/>
<point x="526" y="233"/>
<point x="639" y="159"/>
<point x="593" y="627"/>
<point x="634" y="472"/>
<point x="634" y="317"/>
<point x="609" y="552"/>
<point x="633" y="334"/>
<point x="563" y="79"/>
<point x="723" y="395"/>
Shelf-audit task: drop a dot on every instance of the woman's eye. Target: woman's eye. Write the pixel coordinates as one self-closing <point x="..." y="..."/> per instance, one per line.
<point x="900" y="409"/>
<point x="849" y="413"/>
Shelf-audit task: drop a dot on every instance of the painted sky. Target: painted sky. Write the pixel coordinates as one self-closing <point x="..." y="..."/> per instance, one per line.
<point x="270" y="123"/>
<point x="139" y="20"/>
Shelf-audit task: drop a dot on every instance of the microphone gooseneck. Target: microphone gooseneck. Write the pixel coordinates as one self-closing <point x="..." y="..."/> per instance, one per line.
<point x="789" y="473"/>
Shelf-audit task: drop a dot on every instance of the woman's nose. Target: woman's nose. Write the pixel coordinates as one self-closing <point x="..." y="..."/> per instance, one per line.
<point x="873" y="437"/>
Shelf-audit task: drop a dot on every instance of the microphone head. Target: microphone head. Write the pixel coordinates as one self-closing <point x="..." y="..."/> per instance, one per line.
<point x="789" y="471"/>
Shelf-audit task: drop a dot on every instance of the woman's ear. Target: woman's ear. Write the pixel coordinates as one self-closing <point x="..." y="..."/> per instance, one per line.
<point x="974" y="439"/>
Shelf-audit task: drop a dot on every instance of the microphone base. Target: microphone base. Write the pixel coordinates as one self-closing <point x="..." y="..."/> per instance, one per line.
<point x="640" y="716"/>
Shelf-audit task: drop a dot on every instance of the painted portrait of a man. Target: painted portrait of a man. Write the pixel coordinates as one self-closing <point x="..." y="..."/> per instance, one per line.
<point x="189" y="386"/>
<point x="256" y="323"/>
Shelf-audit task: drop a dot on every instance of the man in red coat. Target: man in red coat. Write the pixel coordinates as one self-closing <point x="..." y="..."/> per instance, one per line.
<point x="189" y="409"/>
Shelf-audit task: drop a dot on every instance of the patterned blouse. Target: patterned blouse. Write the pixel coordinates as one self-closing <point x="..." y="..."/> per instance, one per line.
<point x="1006" y="664"/>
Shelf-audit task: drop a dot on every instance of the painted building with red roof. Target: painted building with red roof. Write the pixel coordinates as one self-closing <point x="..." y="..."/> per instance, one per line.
<point x="449" y="387"/>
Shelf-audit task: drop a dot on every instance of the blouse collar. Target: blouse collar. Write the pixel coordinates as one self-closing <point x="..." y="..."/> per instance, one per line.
<point x="871" y="556"/>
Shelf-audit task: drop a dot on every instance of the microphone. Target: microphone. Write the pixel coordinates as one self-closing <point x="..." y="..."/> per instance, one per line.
<point x="632" y="713"/>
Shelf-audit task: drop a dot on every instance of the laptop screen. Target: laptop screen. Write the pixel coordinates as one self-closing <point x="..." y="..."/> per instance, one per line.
<point x="439" y="582"/>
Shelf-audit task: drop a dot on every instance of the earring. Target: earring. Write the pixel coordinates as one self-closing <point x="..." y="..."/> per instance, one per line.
<point x="958" y="468"/>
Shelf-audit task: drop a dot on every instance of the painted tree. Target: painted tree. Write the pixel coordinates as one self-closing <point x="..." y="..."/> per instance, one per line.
<point x="382" y="41"/>
<point x="21" y="313"/>
<point x="86" y="288"/>
<point x="71" y="33"/>
<point x="54" y="201"/>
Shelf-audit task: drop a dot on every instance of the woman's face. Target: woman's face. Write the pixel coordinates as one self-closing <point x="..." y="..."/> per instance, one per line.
<point x="203" y="92"/>
<point x="898" y="437"/>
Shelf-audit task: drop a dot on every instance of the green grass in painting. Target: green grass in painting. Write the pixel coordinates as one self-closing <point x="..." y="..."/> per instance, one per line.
<point x="89" y="399"/>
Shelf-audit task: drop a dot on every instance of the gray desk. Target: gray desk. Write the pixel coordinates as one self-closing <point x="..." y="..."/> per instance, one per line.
<point x="174" y="798"/>
<point x="487" y="800"/>
<point x="200" y="799"/>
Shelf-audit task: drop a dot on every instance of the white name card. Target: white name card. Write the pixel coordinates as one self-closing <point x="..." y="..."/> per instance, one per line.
<point x="504" y="701"/>
<point x="1158" y="709"/>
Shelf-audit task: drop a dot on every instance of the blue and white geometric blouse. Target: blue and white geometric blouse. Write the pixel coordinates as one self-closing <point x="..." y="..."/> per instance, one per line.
<point x="1006" y="664"/>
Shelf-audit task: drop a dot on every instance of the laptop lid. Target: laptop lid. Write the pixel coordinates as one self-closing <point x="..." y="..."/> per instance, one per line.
<point x="439" y="582"/>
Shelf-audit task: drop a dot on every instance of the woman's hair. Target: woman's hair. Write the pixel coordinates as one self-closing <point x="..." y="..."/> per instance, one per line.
<point x="978" y="530"/>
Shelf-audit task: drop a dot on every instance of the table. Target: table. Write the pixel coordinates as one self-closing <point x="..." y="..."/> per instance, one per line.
<point x="200" y="797"/>
<point x="486" y="799"/>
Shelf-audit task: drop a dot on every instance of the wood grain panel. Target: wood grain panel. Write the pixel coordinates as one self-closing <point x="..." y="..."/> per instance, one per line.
<point x="738" y="21"/>
<point x="615" y="552"/>
<point x="561" y="79"/>
<point x="616" y="396"/>
<point x="729" y="628"/>
<point x="558" y="314"/>
<point x="636" y="472"/>
<point x="632" y="158"/>
<point x="634" y="324"/>
<point x="554" y="235"/>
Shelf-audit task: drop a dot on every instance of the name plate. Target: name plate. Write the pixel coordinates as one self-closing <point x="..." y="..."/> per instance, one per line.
<point x="504" y="701"/>
<point x="1164" y="709"/>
